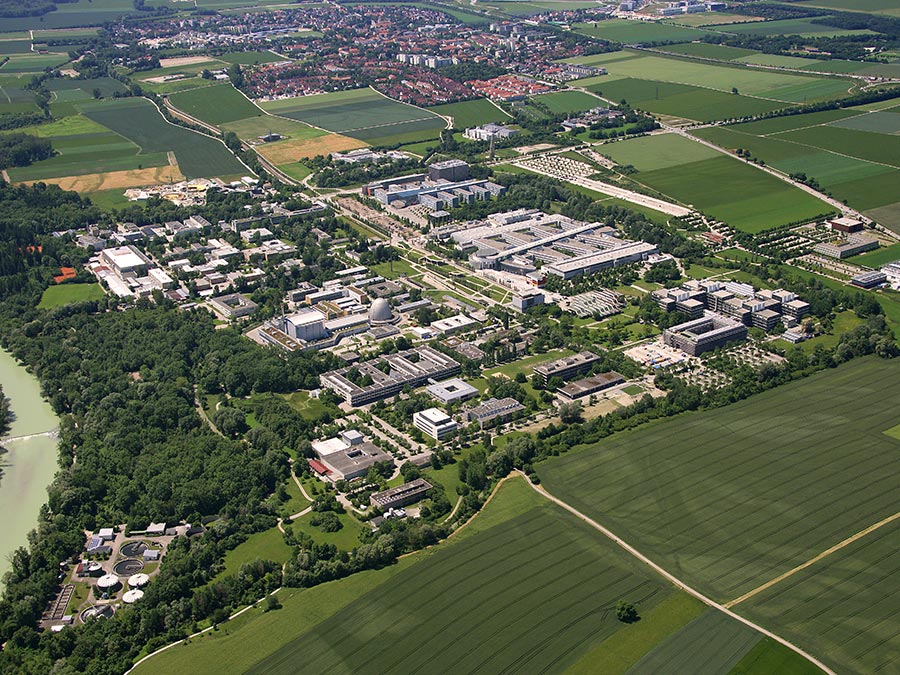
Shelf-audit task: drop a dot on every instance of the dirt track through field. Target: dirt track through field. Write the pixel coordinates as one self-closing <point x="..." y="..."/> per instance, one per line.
<point x="812" y="561"/>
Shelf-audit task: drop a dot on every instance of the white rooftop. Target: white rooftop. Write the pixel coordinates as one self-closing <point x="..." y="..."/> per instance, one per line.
<point x="435" y="416"/>
<point x="329" y="446"/>
<point x="306" y="317"/>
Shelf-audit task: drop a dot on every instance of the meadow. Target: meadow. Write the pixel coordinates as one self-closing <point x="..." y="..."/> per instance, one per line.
<point x="723" y="187"/>
<point x="569" y="101"/>
<point x="708" y="51"/>
<point x="216" y="105"/>
<point x="363" y="114"/>
<point x="733" y="497"/>
<point x="57" y="296"/>
<point x="879" y="257"/>
<point x="74" y="14"/>
<point x="802" y="27"/>
<point x="474" y="113"/>
<point x="252" y="58"/>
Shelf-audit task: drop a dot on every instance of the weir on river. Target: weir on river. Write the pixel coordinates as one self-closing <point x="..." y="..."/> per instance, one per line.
<point x="30" y="461"/>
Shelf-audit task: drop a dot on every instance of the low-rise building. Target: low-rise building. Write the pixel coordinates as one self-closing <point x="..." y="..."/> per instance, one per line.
<point x="435" y="423"/>
<point x="704" y="334"/>
<point x="453" y="324"/>
<point x="565" y="368"/>
<point x="487" y="132"/>
<point x="494" y="411"/>
<point x="233" y="305"/>
<point x="853" y="245"/>
<point x="590" y="385"/>
<point x="400" y="496"/>
<point x="452" y="391"/>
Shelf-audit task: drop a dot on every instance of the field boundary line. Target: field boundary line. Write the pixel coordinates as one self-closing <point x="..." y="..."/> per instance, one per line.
<point x="672" y="578"/>
<point x="812" y="561"/>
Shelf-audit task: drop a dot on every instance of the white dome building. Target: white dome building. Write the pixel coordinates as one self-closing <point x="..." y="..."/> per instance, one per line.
<point x="380" y="312"/>
<point x="132" y="596"/>
<point x="107" y="582"/>
<point x="138" y="580"/>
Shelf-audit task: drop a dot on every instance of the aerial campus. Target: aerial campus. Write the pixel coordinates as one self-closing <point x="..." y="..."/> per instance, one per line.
<point x="452" y="336"/>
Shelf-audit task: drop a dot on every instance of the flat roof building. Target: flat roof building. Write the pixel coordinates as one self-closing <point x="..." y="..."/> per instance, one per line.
<point x="494" y="411"/>
<point x="388" y="375"/>
<point x="352" y="461"/>
<point x="704" y="334"/>
<point x="402" y="495"/>
<point x="125" y="261"/>
<point x="453" y="324"/>
<point x="853" y="245"/>
<point x="435" y="423"/>
<point x="590" y="385"/>
<point x="233" y="305"/>
<point x="566" y="368"/>
<point x="452" y="391"/>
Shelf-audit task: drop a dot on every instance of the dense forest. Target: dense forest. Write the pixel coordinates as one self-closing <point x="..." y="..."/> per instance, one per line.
<point x="23" y="149"/>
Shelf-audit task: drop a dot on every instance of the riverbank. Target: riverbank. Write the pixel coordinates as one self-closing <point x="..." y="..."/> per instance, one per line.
<point x="30" y="462"/>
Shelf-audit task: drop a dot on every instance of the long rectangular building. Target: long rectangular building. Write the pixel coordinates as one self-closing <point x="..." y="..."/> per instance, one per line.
<point x="388" y="375"/>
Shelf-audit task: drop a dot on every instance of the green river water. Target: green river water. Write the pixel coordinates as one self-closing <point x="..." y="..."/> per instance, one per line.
<point x="30" y="463"/>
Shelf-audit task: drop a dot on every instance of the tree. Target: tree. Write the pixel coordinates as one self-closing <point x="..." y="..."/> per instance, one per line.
<point x="626" y="612"/>
<point x="570" y="413"/>
<point x="231" y="422"/>
<point x="272" y="602"/>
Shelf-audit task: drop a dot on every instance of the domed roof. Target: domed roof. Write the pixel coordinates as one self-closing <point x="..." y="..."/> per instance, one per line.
<point x="138" y="580"/>
<point x="130" y="597"/>
<point x="380" y="311"/>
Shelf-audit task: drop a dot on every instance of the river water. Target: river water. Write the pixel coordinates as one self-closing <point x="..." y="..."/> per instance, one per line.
<point x="29" y="464"/>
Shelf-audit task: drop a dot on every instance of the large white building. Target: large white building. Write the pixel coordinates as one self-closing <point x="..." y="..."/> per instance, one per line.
<point x="435" y="423"/>
<point x="125" y="261"/>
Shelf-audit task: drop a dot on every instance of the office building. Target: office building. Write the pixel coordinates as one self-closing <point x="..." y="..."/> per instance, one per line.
<point x="705" y="334"/>
<point x="435" y="423"/>
<point x="565" y="368"/>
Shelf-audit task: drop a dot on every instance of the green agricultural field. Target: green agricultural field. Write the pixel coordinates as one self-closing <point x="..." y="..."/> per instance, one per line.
<point x="790" y="122"/>
<point x="57" y="296"/>
<point x="880" y="122"/>
<point x="467" y="114"/>
<point x="216" y="105"/>
<point x="363" y="114"/>
<point x="725" y="188"/>
<point x="775" y="60"/>
<point x="32" y="63"/>
<point x="15" y="47"/>
<point x="803" y="27"/>
<point x="252" y="128"/>
<point x="879" y="257"/>
<point x="568" y="101"/>
<point x="634" y="32"/>
<point x="657" y="152"/>
<point x="252" y="58"/>
<point x="544" y="588"/>
<point x="868" y="6"/>
<point x="845" y="607"/>
<point x="709" y="51"/>
<point x="888" y="215"/>
<point x="680" y="100"/>
<point x="729" y="505"/>
<point x="139" y="121"/>
<point x="107" y="87"/>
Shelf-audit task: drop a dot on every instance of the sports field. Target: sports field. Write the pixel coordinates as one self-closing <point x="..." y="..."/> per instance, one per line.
<point x="363" y="114"/>
<point x="57" y="296"/>
<point x="467" y="114"/>
<point x="721" y="186"/>
<point x="732" y="498"/>
<point x="215" y="105"/>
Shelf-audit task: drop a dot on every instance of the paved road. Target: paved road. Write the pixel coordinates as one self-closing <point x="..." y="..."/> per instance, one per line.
<point x="672" y="578"/>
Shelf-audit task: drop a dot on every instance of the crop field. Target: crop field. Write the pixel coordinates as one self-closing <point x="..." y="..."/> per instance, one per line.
<point x="138" y="120"/>
<point x="15" y="47"/>
<point x="216" y="105"/>
<point x="709" y="51"/>
<point x="878" y="257"/>
<point x="851" y="153"/>
<point x="32" y="63"/>
<point x="84" y="89"/>
<point x="803" y="27"/>
<point x="780" y="86"/>
<point x="569" y="101"/>
<point x="363" y="114"/>
<point x="845" y="607"/>
<point x="289" y="151"/>
<point x="730" y="505"/>
<point x="73" y="15"/>
<point x="725" y="188"/>
<point x="467" y="114"/>
<point x="633" y="32"/>
<point x="541" y="588"/>
<point x="107" y="181"/>
<point x="868" y="6"/>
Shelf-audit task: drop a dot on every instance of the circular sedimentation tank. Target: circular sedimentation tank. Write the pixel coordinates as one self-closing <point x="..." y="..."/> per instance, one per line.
<point x="138" y="580"/>
<point x="107" y="581"/>
<point x="125" y="568"/>
<point x="133" y="548"/>
<point x="132" y="596"/>
<point x="96" y="612"/>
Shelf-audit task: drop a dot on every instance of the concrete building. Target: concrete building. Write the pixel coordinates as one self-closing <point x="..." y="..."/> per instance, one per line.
<point x="126" y="262"/>
<point x="388" y="375"/>
<point x="522" y="302"/>
<point x="869" y="279"/>
<point x="494" y="411"/>
<point x="307" y="325"/>
<point x="705" y="334"/>
<point x="346" y="456"/>
<point x="402" y="495"/>
<point x="435" y="423"/>
<point x="590" y="385"/>
<point x="487" y="132"/>
<point x="853" y="245"/>
<point x="233" y="305"/>
<point x="845" y="224"/>
<point x="565" y="368"/>
<point x="452" y="391"/>
<point x="450" y="170"/>
<point x="453" y="324"/>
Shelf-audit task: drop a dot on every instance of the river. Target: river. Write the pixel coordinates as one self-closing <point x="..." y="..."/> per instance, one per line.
<point x="29" y="464"/>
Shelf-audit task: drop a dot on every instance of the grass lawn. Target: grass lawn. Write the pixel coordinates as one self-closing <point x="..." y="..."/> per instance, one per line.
<point x="394" y="269"/>
<point x="57" y="296"/>
<point x="877" y="258"/>
<point x="267" y="545"/>
<point x="297" y="501"/>
<point x="633" y="389"/>
<point x="569" y="101"/>
<point x="729" y="505"/>
<point x="310" y="409"/>
<point x="346" y="539"/>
